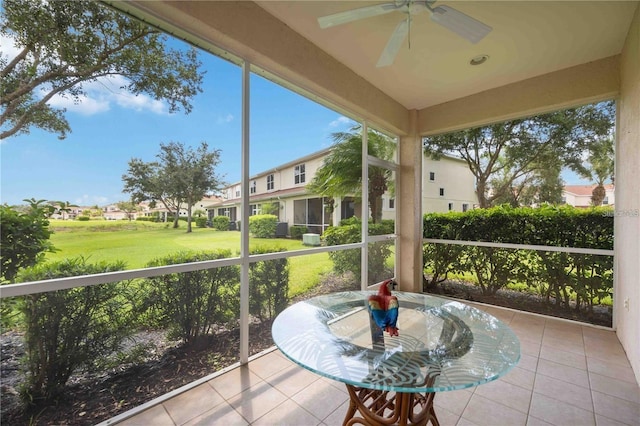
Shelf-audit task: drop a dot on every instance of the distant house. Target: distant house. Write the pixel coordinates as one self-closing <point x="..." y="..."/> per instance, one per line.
<point x="580" y="195"/>
<point x="448" y="186"/>
<point x="165" y="215"/>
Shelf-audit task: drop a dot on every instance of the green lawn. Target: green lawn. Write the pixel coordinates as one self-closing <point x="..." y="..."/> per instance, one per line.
<point x="139" y="242"/>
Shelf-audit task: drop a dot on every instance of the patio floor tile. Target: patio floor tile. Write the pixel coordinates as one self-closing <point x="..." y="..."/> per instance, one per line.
<point x="569" y="374"/>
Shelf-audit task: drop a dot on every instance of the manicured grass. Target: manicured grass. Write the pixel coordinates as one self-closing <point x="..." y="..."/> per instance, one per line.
<point x="139" y="242"/>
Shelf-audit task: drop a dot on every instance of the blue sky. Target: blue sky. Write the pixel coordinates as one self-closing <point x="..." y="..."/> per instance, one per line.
<point x="109" y="127"/>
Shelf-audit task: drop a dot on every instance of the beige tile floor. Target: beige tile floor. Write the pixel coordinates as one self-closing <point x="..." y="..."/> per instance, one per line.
<point x="569" y="374"/>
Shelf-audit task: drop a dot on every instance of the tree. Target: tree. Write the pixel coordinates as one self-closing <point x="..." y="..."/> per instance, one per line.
<point x="129" y="208"/>
<point x="147" y="181"/>
<point x="66" y="44"/>
<point x="180" y="176"/>
<point x="62" y="207"/>
<point x="24" y="237"/>
<point x="341" y="171"/>
<point x="599" y="168"/>
<point x="513" y="149"/>
<point x="542" y="184"/>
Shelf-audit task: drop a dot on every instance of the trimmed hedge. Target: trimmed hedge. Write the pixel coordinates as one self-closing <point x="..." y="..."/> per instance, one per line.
<point x="190" y="304"/>
<point x="296" y="231"/>
<point x="568" y="280"/>
<point x="263" y="225"/>
<point x="350" y="231"/>
<point x="221" y="223"/>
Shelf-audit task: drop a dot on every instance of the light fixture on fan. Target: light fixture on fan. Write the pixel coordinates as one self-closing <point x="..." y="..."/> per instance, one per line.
<point x="450" y="18"/>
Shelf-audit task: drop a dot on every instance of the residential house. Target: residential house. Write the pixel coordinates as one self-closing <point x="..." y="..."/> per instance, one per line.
<point x="448" y="186"/>
<point x="580" y="195"/>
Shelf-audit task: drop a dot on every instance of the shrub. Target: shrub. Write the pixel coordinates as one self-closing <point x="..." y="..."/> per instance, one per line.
<point x="221" y="223"/>
<point x="570" y="279"/>
<point x="350" y="231"/>
<point x="296" y="231"/>
<point x="191" y="303"/>
<point x="83" y="218"/>
<point x="24" y="238"/>
<point x="268" y="285"/>
<point x="201" y="222"/>
<point x="263" y="225"/>
<point x="147" y="219"/>
<point x="69" y="329"/>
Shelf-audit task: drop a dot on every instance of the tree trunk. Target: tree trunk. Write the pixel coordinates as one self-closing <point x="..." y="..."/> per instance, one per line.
<point x="188" y="217"/>
<point x="598" y="194"/>
<point x="481" y="191"/>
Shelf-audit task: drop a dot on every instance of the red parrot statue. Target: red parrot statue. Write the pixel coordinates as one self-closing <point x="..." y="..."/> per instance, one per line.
<point x="384" y="308"/>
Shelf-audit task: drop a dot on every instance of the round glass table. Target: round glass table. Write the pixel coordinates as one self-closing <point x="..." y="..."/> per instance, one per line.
<point x="442" y="345"/>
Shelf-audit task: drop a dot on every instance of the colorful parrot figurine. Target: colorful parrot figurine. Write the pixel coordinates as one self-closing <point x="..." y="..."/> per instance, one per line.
<point x="384" y="308"/>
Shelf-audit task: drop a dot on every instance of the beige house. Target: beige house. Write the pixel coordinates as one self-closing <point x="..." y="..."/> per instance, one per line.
<point x="448" y="186"/>
<point x="580" y="195"/>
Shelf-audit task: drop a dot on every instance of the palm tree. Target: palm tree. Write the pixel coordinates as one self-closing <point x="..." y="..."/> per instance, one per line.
<point x="599" y="168"/>
<point x="341" y="171"/>
<point x="63" y="207"/>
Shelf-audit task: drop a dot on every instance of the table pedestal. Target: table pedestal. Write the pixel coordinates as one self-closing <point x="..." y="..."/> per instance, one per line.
<point x="389" y="408"/>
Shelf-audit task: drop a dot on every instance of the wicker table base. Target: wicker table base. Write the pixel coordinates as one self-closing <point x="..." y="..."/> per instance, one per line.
<point x="384" y="408"/>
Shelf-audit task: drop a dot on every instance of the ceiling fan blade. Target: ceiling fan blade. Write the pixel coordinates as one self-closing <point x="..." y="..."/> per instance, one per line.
<point x="355" y="14"/>
<point x="393" y="45"/>
<point x="460" y="23"/>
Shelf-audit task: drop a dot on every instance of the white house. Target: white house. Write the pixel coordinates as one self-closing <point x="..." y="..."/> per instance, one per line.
<point x="580" y="195"/>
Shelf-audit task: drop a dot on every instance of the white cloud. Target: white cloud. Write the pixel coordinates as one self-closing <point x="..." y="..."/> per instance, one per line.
<point x="101" y="94"/>
<point x="224" y="119"/>
<point x="341" y="121"/>
<point x="91" y="200"/>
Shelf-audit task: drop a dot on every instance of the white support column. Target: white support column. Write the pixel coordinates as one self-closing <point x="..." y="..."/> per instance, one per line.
<point x="409" y="210"/>
<point x="244" y="243"/>
<point x="364" y="253"/>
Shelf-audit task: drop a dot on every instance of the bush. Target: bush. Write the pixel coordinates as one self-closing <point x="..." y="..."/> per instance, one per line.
<point x="350" y="231"/>
<point x="221" y="223"/>
<point x="296" y="231"/>
<point x="147" y="219"/>
<point x="201" y="222"/>
<point x="567" y="278"/>
<point x="24" y="238"/>
<point x="69" y="329"/>
<point x="268" y="285"/>
<point x="83" y="218"/>
<point x="191" y="303"/>
<point x="263" y="225"/>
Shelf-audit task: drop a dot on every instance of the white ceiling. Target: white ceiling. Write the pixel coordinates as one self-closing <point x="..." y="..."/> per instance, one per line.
<point x="528" y="39"/>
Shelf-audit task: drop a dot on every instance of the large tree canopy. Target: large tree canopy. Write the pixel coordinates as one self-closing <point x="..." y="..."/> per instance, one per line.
<point x="181" y="176"/>
<point x="64" y="44"/>
<point x="341" y="171"/>
<point x="508" y="152"/>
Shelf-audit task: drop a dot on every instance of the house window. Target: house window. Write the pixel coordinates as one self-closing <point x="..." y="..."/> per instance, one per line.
<point x="442" y="192"/>
<point x="432" y="176"/>
<point x="252" y="189"/>
<point x="298" y="174"/>
<point x="255" y="209"/>
<point x="450" y="206"/>
<point x="392" y="203"/>
<point x="237" y="192"/>
<point x="605" y="201"/>
<point x="465" y="207"/>
<point x="270" y="182"/>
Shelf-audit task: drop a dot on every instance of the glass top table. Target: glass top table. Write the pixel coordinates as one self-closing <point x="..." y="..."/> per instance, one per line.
<point x="442" y="345"/>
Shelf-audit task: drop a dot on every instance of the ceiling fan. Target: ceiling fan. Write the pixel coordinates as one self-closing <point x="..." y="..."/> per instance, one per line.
<point x="450" y="18"/>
